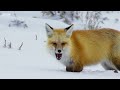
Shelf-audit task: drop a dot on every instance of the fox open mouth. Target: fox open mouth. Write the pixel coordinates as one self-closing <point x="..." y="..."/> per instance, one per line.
<point x="58" y="56"/>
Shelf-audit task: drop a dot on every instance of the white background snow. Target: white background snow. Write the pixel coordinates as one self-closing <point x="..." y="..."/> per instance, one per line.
<point x="33" y="61"/>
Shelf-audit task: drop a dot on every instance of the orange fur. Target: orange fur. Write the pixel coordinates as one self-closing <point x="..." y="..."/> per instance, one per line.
<point x="88" y="47"/>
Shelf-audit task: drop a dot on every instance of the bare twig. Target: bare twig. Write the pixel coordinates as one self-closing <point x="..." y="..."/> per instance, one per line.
<point x="20" y="46"/>
<point x="9" y="45"/>
<point x="4" y="43"/>
<point x="35" y="37"/>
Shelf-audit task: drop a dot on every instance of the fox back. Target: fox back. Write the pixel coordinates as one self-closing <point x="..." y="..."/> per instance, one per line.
<point x="91" y="46"/>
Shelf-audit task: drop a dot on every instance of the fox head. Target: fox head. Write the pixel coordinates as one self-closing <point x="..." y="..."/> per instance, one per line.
<point x="59" y="41"/>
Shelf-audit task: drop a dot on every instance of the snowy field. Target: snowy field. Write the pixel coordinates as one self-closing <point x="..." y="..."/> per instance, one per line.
<point x="33" y="61"/>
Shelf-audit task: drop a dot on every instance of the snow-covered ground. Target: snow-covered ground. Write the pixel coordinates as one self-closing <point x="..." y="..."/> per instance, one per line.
<point x="33" y="61"/>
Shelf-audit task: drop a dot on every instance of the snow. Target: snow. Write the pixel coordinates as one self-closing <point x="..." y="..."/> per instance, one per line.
<point x="33" y="61"/>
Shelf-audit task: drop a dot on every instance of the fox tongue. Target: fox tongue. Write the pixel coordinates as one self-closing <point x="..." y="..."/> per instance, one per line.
<point x="58" y="56"/>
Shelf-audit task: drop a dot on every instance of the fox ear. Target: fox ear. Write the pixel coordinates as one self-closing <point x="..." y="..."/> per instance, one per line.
<point x="69" y="30"/>
<point x="49" y="30"/>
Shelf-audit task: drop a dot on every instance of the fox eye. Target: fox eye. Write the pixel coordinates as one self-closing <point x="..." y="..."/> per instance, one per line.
<point x="55" y="44"/>
<point x="63" y="43"/>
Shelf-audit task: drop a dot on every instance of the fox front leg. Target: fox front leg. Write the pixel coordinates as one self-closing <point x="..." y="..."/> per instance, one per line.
<point x="73" y="67"/>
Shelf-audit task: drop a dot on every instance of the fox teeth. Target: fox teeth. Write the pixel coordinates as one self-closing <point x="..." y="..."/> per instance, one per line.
<point x="58" y="56"/>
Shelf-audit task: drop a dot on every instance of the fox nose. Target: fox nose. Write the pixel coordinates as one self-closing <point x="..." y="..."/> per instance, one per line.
<point x="59" y="51"/>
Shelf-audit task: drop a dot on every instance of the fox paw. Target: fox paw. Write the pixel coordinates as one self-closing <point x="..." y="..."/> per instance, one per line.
<point x="115" y="71"/>
<point x="70" y="69"/>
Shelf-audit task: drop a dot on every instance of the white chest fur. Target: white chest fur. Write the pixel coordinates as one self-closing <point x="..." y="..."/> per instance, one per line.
<point x="65" y="60"/>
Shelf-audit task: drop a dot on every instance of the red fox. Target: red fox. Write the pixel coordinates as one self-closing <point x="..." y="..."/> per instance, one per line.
<point x="78" y="48"/>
